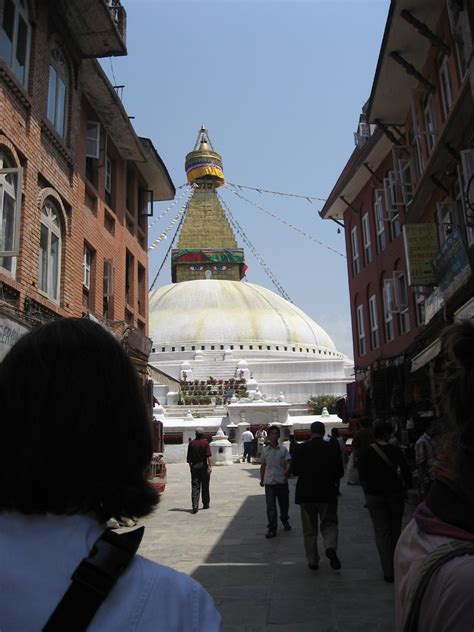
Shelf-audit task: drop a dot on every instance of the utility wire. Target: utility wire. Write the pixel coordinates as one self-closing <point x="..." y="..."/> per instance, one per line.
<point x="283" y="221"/>
<point x="238" y="228"/>
<point x="167" y="252"/>
<point x="309" y="198"/>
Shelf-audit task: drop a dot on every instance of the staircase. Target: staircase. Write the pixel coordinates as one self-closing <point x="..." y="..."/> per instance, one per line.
<point x="196" y="410"/>
<point x="215" y="367"/>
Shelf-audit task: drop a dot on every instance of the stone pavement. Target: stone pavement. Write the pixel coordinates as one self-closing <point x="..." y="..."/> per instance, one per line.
<point x="262" y="585"/>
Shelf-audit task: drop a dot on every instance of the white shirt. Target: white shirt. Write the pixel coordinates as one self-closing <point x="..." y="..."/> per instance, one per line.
<point x="247" y="436"/>
<point x="38" y="555"/>
<point x="275" y="460"/>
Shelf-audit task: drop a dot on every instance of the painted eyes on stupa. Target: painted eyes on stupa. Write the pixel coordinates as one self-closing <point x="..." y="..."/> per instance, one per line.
<point x="196" y="268"/>
<point x="219" y="267"/>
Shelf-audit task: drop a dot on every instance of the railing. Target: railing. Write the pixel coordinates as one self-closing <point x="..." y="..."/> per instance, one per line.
<point x="118" y="15"/>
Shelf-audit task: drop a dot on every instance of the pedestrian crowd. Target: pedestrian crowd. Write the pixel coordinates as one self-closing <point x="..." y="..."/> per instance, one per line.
<point x="65" y="470"/>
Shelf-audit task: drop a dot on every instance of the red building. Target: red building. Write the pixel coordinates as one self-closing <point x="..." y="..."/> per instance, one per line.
<point x="405" y="201"/>
<point x="76" y="183"/>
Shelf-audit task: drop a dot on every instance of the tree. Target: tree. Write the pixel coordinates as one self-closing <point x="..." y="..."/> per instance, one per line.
<point x="316" y="404"/>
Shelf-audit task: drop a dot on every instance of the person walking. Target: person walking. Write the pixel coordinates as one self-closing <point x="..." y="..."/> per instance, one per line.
<point x="425" y="458"/>
<point x="434" y="558"/>
<point x="384" y="492"/>
<point x="247" y="438"/>
<point x="318" y="466"/>
<point x="200" y="466"/>
<point x="274" y="472"/>
<point x="261" y="436"/>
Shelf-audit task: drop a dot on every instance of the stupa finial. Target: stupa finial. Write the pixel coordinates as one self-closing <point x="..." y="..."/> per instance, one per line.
<point x="204" y="164"/>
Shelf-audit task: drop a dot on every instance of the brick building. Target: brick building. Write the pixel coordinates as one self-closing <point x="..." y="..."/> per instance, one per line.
<point x="405" y="201"/>
<point x="76" y="183"/>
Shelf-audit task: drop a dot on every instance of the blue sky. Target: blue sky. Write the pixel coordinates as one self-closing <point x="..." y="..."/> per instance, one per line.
<point x="280" y="85"/>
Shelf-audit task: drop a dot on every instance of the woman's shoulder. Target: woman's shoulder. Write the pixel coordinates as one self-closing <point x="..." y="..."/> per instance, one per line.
<point x="162" y="598"/>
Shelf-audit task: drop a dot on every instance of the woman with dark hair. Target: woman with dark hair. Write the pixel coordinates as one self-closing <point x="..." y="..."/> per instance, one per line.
<point x="434" y="560"/>
<point x="379" y="467"/>
<point x="75" y="444"/>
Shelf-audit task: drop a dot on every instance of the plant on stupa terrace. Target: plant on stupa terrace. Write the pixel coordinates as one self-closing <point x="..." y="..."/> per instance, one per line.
<point x="316" y="404"/>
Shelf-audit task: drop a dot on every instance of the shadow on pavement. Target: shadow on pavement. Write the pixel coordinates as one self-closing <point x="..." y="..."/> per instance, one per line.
<point x="260" y="584"/>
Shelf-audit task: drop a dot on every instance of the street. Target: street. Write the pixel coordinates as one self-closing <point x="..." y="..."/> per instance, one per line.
<point x="260" y="584"/>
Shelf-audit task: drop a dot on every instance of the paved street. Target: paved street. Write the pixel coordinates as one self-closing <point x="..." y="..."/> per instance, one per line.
<point x="260" y="584"/>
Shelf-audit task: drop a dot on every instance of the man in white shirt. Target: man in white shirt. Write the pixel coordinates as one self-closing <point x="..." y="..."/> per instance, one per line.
<point x="274" y="472"/>
<point x="247" y="438"/>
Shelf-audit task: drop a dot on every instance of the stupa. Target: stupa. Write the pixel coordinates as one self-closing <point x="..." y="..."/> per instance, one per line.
<point x="211" y="323"/>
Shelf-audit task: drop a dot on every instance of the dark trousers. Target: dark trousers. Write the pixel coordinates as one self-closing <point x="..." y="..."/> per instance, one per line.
<point x="273" y="493"/>
<point x="199" y="483"/>
<point x="386" y="513"/>
<point x="247" y="450"/>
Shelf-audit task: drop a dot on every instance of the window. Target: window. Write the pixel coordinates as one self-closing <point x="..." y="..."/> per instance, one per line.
<point x="430" y="129"/>
<point x="108" y="180"/>
<point x="366" y="237"/>
<point x="57" y="91"/>
<point x="374" y="327"/>
<point x="92" y="139"/>
<point x="361" y="329"/>
<point x="388" y="309"/>
<point x="379" y="219"/>
<point x="141" y="290"/>
<point x="445" y="85"/>
<point x="50" y="251"/>
<point x="419" y="305"/>
<point x="86" y="268"/>
<point x="401" y="294"/>
<point x="460" y="28"/>
<point x="10" y="210"/>
<point x="15" y="38"/>
<point x="129" y="278"/>
<point x="445" y="212"/>
<point x="108" y="288"/>
<point x="355" y="251"/>
<point x="390" y="188"/>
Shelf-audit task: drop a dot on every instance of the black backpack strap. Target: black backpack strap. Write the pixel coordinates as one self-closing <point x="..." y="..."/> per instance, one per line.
<point x="434" y="561"/>
<point x="93" y="580"/>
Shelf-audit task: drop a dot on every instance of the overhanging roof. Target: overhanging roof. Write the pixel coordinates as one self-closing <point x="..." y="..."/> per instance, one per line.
<point x="97" y="29"/>
<point x="106" y="103"/>
<point x="354" y="175"/>
<point x="155" y="173"/>
<point x="391" y="90"/>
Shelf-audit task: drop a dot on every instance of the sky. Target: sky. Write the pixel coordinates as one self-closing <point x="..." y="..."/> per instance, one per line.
<point x="279" y="85"/>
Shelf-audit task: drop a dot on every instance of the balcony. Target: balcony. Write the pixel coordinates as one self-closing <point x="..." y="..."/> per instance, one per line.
<point x="98" y="27"/>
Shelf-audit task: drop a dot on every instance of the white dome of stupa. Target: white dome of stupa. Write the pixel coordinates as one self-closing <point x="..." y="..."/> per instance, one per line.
<point x="211" y="311"/>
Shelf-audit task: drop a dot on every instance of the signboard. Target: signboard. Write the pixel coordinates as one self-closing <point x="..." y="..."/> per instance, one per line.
<point x="451" y="264"/>
<point x="10" y="331"/>
<point x="421" y="246"/>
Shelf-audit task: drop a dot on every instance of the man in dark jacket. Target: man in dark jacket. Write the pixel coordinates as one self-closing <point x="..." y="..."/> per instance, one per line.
<point x="318" y="466"/>
<point x="200" y="466"/>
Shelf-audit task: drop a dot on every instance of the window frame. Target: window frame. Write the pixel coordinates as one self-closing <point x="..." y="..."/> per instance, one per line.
<point x="355" y="251"/>
<point x="58" y="104"/>
<point x="86" y="268"/>
<point x="21" y="10"/>
<point x="429" y="121"/>
<point x="446" y="88"/>
<point x="389" y="329"/>
<point x="379" y="211"/>
<point x="374" y="326"/>
<point x="402" y="301"/>
<point x="366" y="239"/>
<point x="44" y="285"/>
<point x="362" y="347"/>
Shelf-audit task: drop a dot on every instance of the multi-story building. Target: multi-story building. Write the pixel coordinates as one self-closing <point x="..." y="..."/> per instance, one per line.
<point x="405" y="199"/>
<point x="76" y="183"/>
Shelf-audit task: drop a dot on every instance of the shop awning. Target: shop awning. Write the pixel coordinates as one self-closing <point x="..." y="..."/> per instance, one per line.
<point x="426" y="355"/>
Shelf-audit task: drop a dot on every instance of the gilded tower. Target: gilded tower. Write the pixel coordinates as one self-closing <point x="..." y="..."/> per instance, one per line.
<point x="207" y="247"/>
